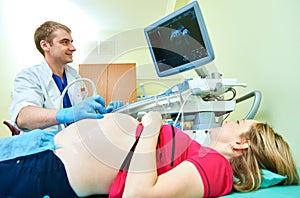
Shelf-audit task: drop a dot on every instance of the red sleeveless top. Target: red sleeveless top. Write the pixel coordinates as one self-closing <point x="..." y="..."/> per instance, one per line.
<point x="174" y="147"/>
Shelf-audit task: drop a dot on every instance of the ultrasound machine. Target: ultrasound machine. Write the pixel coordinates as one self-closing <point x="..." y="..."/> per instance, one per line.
<point x="179" y="42"/>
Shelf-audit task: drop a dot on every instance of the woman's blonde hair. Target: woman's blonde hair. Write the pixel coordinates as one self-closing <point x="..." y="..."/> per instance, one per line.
<point x="267" y="150"/>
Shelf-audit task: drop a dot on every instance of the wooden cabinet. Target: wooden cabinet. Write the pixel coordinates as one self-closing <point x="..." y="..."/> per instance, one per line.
<point x="116" y="81"/>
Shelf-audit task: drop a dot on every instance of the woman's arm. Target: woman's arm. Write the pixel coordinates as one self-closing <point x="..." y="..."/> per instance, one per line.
<point x="142" y="180"/>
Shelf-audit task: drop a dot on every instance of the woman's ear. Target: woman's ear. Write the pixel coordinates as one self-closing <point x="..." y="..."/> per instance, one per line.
<point x="241" y="145"/>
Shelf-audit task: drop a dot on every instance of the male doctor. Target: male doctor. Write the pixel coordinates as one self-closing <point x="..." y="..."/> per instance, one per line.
<point x="37" y="90"/>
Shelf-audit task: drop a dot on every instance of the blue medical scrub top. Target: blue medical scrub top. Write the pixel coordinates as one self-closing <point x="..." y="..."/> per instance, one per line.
<point x="61" y="86"/>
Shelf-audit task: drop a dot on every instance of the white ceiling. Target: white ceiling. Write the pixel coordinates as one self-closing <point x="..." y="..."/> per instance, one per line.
<point x="125" y="14"/>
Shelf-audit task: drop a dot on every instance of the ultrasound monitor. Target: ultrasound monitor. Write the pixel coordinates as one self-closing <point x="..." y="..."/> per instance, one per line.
<point x="179" y="41"/>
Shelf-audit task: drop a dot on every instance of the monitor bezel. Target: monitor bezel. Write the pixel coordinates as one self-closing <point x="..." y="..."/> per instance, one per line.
<point x="187" y="66"/>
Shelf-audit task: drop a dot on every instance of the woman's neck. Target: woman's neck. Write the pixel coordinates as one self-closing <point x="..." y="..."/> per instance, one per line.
<point x="224" y="150"/>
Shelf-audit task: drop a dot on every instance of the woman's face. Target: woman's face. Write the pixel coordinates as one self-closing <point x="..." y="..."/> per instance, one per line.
<point x="230" y="131"/>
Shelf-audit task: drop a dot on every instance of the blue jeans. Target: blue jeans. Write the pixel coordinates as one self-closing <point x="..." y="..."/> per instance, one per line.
<point x="37" y="175"/>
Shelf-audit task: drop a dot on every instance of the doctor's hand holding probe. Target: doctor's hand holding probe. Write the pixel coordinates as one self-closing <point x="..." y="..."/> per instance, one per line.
<point x="92" y="107"/>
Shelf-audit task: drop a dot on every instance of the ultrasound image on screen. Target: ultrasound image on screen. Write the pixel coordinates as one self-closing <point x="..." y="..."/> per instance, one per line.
<point x="177" y="41"/>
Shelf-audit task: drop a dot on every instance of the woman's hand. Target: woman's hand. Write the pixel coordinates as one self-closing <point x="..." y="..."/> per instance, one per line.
<point x="142" y="173"/>
<point x="152" y="122"/>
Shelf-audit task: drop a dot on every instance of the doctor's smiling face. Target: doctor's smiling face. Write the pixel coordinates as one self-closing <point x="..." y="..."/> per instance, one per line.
<point x="60" y="48"/>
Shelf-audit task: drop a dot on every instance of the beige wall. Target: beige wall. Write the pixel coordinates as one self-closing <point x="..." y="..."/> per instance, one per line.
<point x="7" y="72"/>
<point x="255" y="41"/>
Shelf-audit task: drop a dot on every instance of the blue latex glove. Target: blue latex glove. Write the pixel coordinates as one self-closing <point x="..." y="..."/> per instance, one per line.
<point x="92" y="107"/>
<point x="113" y="105"/>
